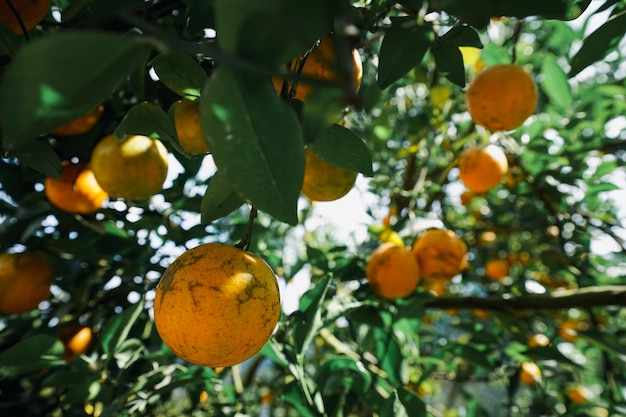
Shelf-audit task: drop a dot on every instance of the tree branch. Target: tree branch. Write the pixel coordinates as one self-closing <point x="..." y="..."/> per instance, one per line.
<point x="598" y="296"/>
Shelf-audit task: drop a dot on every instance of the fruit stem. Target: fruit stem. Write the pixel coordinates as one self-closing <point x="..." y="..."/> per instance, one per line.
<point x="19" y="19"/>
<point x="245" y="240"/>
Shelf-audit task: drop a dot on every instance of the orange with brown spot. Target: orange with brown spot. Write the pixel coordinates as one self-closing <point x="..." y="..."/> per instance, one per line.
<point x="217" y="305"/>
<point x="392" y="271"/>
<point x="441" y="254"/>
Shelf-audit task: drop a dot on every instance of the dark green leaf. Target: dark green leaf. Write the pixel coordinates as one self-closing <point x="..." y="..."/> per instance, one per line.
<point x="116" y="330"/>
<point x="322" y="110"/>
<point x="256" y="141"/>
<point x="354" y="375"/>
<point x="147" y="119"/>
<point x="294" y="395"/>
<point x="462" y="35"/>
<point x="414" y="405"/>
<point x="391" y="359"/>
<point x="219" y="199"/>
<point x="341" y="147"/>
<point x="402" y="48"/>
<point x="605" y="341"/>
<point x="449" y="61"/>
<point x="599" y="43"/>
<point x="33" y="354"/>
<point x="41" y="157"/>
<point x="81" y="70"/>
<point x="180" y="73"/>
<point x="309" y="316"/>
<point x="555" y="83"/>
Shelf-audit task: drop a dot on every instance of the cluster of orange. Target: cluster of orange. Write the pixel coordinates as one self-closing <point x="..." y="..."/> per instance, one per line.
<point x="394" y="271"/>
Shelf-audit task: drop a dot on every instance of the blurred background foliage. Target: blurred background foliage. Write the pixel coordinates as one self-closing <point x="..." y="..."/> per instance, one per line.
<point x="557" y="218"/>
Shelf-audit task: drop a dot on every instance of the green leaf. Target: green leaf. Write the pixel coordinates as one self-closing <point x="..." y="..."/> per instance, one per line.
<point x="599" y="43"/>
<point x="391" y="359"/>
<point x="449" y="61"/>
<point x="219" y="199"/>
<point x="147" y="119"/>
<point x="352" y="376"/>
<point x="555" y="83"/>
<point x="180" y="73"/>
<point x="462" y="35"/>
<point x="41" y="157"/>
<point x="294" y="395"/>
<point x="32" y="354"/>
<point x="309" y="314"/>
<point x="116" y="330"/>
<point x="605" y="341"/>
<point x="414" y="405"/>
<point x="402" y="48"/>
<point x="341" y="147"/>
<point x="56" y="79"/>
<point x="322" y="109"/>
<point x="256" y="141"/>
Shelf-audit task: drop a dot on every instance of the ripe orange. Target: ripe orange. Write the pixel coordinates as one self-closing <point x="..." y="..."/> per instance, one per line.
<point x="76" y="191"/>
<point x="323" y="181"/>
<point x="133" y="169"/>
<point x="530" y="373"/>
<point x="501" y="97"/>
<point x="481" y="169"/>
<point x="81" y="125"/>
<point x="322" y="64"/>
<point x="77" y="340"/>
<point x="31" y="11"/>
<point x="392" y="271"/>
<point x="538" y="340"/>
<point x="579" y="394"/>
<point x="216" y="305"/>
<point x="440" y="253"/>
<point x="466" y="197"/>
<point x="188" y="129"/>
<point x="569" y="330"/>
<point x="25" y="280"/>
<point x="497" y="268"/>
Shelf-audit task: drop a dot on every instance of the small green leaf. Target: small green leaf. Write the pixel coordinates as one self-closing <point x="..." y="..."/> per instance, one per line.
<point x="41" y="157"/>
<point x="219" y="199"/>
<point x="599" y="43"/>
<point x="81" y="70"/>
<point x="116" y="330"/>
<point x="150" y="120"/>
<point x="341" y="147"/>
<point x="180" y="73"/>
<point x="256" y="141"/>
<point x="402" y="48"/>
<point x="555" y="83"/>
<point x="449" y="61"/>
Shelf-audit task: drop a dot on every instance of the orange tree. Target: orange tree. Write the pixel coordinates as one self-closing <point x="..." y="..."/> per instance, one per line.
<point x="457" y="347"/>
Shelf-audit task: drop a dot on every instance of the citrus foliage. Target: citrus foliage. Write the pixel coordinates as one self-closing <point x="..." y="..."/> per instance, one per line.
<point x="541" y="334"/>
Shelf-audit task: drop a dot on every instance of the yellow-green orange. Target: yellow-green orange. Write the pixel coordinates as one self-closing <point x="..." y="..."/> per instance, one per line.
<point x="188" y="128"/>
<point x="323" y="181"/>
<point x="31" y="11"/>
<point x="133" y="169"/>
<point x="322" y="64"/>
<point x="25" y="280"/>
<point x="501" y="97"/>
<point x="441" y="254"/>
<point x="392" y="271"/>
<point x="216" y="305"/>
<point x="76" y="190"/>
<point x="481" y="169"/>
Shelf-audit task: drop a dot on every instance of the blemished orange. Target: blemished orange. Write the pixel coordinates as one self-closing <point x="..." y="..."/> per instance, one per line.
<point x="76" y="339"/>
<point x="133" y="169"/>
<point x="76" y="190"/>
<point x="81" y="125"/>
<point x="497" y="269"/>
<point x="481" y="169"/>
<point x="25" y="280"/>
<point x="392" y="271"/>
<point x="188" y="128"/>
<point x="217" y="305"/>
<point x="31" y="11"/>
<point x="323" y="181"/>
<point x="440" y="254"/>
<point x="501" y="97"/>
<point x="530" y="373"/>
<point x="322" y="64"/>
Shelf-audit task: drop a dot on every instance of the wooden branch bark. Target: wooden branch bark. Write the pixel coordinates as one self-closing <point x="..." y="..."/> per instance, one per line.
<point x="598" y="296"/>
